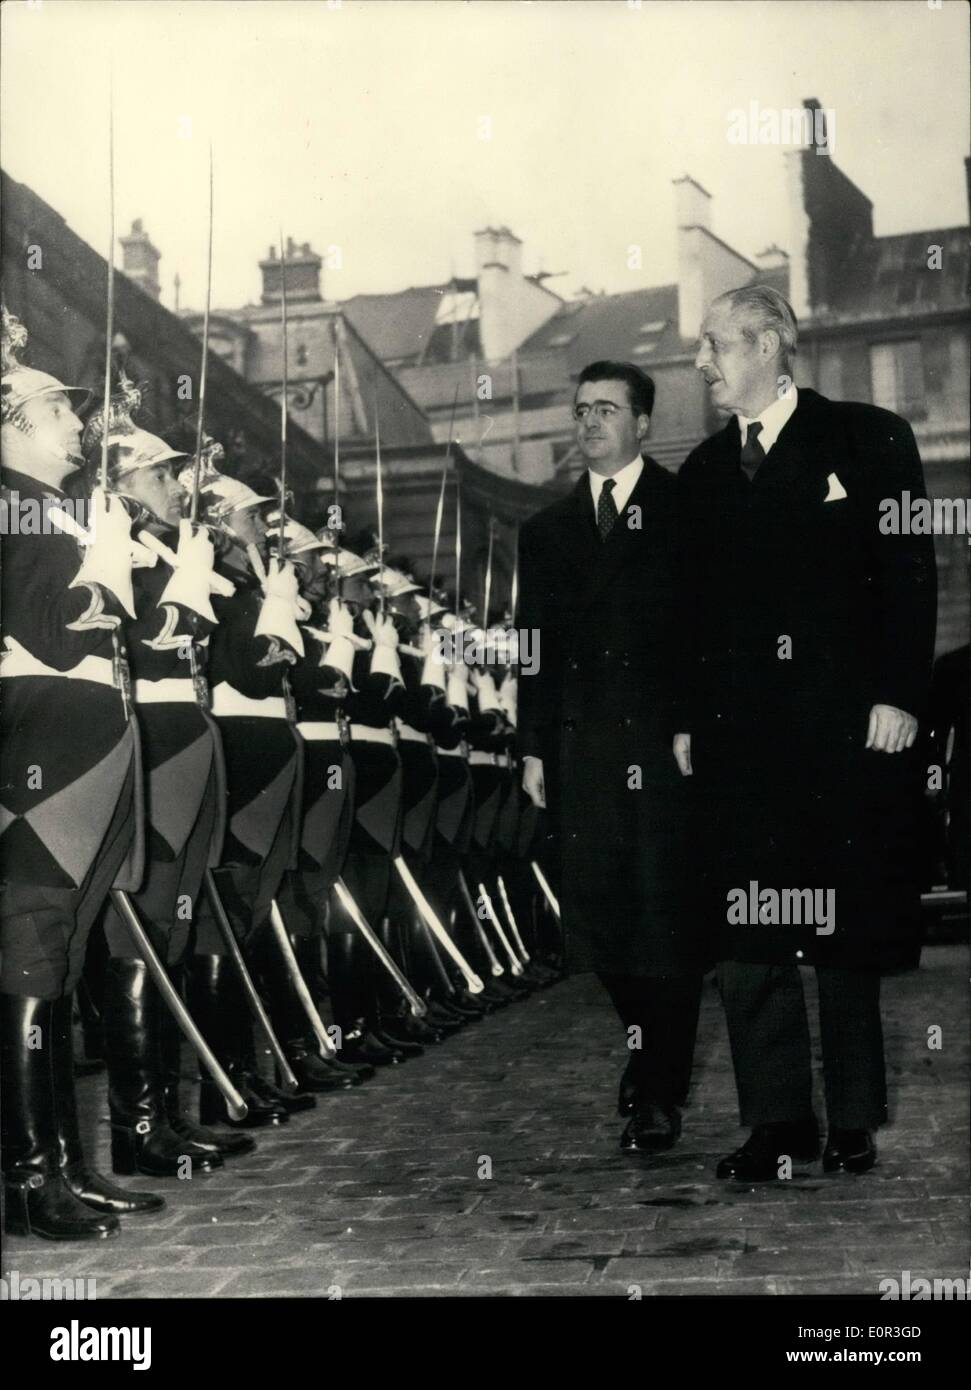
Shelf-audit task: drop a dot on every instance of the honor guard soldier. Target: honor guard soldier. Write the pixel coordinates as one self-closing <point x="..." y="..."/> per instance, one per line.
<point x="184" y="794"/>
<point x="251" y="651"/>
<point x="68" y="775"/>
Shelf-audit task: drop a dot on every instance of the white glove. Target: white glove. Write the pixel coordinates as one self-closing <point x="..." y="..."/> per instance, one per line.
<point x="433" y="668"/>
<point x="340" y="653"/>
<point x="508" y="696"/>
<point x="108" y="558"/>
<point x="384" y="659"/>
<point x="457" y="690"/>
<point x="485" y="691"/>
<point x="191" y="579"/>
<point x="278" y="615"/>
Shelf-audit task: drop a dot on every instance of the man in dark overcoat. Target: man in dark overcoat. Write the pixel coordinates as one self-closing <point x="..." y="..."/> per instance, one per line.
<point x="807" y="637"/>
<point x="597" y="592"/>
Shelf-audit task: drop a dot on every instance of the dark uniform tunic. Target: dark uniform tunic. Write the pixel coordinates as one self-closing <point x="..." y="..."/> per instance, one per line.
<point x="67" y="814"/>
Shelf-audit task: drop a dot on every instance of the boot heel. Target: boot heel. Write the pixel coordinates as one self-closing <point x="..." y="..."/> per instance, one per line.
<point x="124" y="1151"/>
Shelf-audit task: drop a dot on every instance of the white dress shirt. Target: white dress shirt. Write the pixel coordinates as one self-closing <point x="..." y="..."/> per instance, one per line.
<point x="773" y="419"/>
<point x="625" y="481"/>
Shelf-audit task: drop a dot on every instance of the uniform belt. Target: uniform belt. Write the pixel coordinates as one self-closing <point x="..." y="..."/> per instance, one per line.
<point x="410" y="735"/>
<point x="364" y="733"/>
<point x="228" y="703"/>
<point x="459" y="752"/>
<point x="171" y="690"/>
<point x="319" y="730"/>
<point x="477" y="758"/>
<point x="503" y="760"/>
<point x="17" y="661"/>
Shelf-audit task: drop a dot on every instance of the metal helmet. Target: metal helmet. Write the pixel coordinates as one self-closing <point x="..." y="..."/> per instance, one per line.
<point x="129" y="446"/>
<point x="19" y="384"/>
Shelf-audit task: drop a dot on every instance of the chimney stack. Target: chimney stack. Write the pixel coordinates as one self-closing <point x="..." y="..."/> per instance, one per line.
<point x="772" y="258"/>
<point x="510" y="306"/>
<point x="140" y="259"/>
<point x="303" y="274"/>
<point x="706" y="266"/>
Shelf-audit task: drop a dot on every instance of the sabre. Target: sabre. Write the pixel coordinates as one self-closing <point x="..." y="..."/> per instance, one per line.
<point x="416" y="1004"/>
<point x="480" y="930"/>
<point x="515" y="964"/>
<point x="511" y="919"/>
<point x="327" y="1048"/>
<point x="514" y="587"/>
<point x="494" y="967"/>
<point x="379" y="490"/>
<point x="337" y="466"/>
<point x="441" y="496"/>
<point x="234" y="1101"/>
<point x="487" y="594"/>
<point x="548" y="893"/>
<point x="197" y="464"/>
<point x="474" y="984"/>
<point x="281" y="549"/>
<point x="458" y="547"/>
<point x="110" y="330"/>
<point x="290" y="1083"/>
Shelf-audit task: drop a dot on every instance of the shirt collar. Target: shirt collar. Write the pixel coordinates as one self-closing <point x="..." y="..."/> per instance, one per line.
<point x="773" y="419"/>
<point x="624" y="480"/>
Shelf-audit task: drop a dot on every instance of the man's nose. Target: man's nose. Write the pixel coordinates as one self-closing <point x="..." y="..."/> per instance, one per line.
<point x="702" y="356"/>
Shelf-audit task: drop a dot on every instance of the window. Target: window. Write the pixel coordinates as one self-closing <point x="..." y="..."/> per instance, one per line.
<point x="897" y="377"/>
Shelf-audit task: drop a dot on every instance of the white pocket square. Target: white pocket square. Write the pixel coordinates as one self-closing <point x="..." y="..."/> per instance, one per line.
<point x="836" y="489"/>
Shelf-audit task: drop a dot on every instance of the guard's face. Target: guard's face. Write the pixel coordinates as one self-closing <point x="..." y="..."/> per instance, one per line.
<point x="608" y="433"/>
<point x="157" y="489"/>
<point x="247" y="526"/>
<point x="54" y="422"/>
<point x="735" y="370"/>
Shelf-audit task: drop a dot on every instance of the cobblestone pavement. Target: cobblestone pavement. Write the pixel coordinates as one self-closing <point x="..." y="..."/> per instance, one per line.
<point x="384" y="1190"/>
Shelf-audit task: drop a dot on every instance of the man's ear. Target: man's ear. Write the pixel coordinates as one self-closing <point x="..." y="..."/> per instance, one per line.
<point x="643" y="426"/>
<point x="770" y="344"/>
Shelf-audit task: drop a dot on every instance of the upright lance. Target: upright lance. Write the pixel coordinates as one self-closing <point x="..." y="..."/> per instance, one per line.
<point x="487" y="587"/>
<point x="200" y="421"/>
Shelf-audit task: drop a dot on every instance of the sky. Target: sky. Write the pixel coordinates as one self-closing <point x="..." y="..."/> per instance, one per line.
<point x="394" y="129"/>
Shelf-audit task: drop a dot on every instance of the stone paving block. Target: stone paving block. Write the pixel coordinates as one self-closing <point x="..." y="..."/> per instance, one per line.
<point x="377" y="1190"/>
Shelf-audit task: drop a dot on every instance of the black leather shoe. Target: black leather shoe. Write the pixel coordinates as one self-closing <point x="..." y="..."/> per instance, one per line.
<point x="360" y="1046"/>
<point x="398" y="1044"/>
<point x="651" y="1128"/>
<point x="758" y="1158"/>
<point x="317" y="1074"/>
<point x="849" y="1151"/>
<point x="292" y="1102"/>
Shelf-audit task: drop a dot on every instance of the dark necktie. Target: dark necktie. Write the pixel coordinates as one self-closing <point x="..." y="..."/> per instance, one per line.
<point x="606" y="509"/>
<point x="753" y="455"/>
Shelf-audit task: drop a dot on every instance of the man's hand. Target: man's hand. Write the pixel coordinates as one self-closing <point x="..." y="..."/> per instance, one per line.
<point x="681" y="748"/>
<point x="890" y="730"/>
<point x="533" y="784"/>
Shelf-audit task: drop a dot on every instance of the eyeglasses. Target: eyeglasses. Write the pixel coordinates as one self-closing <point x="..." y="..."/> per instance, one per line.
<point x="600" y="410"/>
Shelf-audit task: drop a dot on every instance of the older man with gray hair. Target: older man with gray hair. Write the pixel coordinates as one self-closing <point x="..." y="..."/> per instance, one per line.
<point x="806" y="640"/>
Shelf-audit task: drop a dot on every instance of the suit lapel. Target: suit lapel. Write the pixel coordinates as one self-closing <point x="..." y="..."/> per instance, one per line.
<point x="609" y="557"/>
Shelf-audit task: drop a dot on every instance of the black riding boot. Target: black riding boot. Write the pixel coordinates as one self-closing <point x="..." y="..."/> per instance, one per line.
<point x="93" y="1188"/>
<point x="219" y="1141"/>
<point x="288" y="1018"/>
<point x="142" y="1140"/>
<point x="216" y="1004"/>
<point x="351" y="998"/>
<point x="38" y="1202"/>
